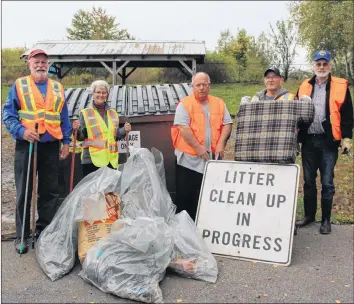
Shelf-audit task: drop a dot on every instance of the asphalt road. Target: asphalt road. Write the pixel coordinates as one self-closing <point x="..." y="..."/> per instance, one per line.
<point x="321" y="272"/>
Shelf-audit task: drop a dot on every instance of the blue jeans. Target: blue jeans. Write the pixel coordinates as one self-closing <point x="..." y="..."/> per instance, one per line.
<point x="317" y="154"/>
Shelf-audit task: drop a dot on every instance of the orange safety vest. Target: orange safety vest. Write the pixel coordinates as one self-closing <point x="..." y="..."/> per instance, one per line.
<point x="338" y="90"/>
<point x="35" y="109"/>
<point x="198" y="123"/>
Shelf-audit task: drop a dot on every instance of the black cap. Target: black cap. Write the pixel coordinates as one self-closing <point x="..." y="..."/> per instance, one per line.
<point x="272" y="69"/>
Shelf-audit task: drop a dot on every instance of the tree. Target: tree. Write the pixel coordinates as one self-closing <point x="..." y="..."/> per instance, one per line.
<point x="96" y="25"/>
<point x="284" y="40"/>
<point x="330" y="24"/>
<point x="262" y="48"/>
<point x="236" y="46"/>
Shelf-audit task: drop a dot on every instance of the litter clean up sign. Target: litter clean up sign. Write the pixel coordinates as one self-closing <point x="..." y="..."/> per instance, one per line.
<point x="134" y="141"/>
<point x="247" y="210"/>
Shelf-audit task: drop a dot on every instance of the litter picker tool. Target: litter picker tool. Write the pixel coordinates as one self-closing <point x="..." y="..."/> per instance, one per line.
<point x="26" y="197"/>
<point x="127" y="143"/>
<point x="73" y="160"/>
<point x="34" y="189"/>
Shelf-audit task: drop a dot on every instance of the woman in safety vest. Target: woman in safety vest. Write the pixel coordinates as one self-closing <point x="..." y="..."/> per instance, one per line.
<point x="98" y="128"/>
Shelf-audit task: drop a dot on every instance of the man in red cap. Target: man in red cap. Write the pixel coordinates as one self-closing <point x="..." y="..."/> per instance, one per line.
<point x="36" y="99"/>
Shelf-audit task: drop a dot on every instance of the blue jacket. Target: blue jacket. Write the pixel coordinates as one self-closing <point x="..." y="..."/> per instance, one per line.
<point x="14" y="126"/>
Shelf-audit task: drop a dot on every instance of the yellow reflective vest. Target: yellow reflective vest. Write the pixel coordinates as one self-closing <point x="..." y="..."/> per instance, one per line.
<point x="101" y="140"/>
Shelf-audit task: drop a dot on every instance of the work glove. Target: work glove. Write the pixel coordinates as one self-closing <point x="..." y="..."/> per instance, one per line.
<point x="305" y="98"/>
<point x="346" y="145"/>
<point x="245" y="99"/>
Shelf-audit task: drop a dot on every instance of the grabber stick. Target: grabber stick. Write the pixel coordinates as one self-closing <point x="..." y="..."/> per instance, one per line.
<point x="34" y="189"/>
<point x="26" y="197"/>
<point x="127" y="143"/>
<point x="72" y="171"/>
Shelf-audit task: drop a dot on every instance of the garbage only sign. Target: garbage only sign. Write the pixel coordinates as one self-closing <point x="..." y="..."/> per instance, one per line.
<point x="134" y="141"/>
<point x="247" y="210"/>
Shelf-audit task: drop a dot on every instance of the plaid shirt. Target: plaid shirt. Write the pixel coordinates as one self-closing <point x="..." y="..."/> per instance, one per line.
<point x="267" y="130"/>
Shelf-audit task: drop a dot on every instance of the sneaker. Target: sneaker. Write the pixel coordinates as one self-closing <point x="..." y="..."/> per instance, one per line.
<point x="18" y="245"/>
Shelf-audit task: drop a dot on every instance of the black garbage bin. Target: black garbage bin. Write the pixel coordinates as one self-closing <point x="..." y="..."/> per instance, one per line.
<point x="150" y="110"/>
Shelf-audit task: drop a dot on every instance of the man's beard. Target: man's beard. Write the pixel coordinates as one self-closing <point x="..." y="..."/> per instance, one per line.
<point x="322" y="74"/>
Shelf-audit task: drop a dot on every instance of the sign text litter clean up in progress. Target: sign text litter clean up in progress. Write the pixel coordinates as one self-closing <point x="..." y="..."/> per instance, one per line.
<point x="247" y="210"/>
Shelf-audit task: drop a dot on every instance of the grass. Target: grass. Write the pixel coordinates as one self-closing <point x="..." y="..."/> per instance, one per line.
<point x="4" y="92"/>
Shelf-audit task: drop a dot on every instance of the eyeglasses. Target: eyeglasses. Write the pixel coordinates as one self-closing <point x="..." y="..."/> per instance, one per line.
<point x="319" y="64"/>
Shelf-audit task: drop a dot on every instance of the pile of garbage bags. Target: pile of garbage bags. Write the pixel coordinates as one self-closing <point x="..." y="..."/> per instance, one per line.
<point x="148" y="238"/>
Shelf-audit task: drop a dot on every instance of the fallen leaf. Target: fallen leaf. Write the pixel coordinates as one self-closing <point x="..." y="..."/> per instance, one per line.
<point x="254" y="262"/>
<point x="246" y="285"/>
<point x="265" y="295"/>
<point x="332" y="281"/>
<point x="269" y="279"/>
<point x="337" y="301"/>
<point x="179" y="300"/>
<point x="275" y="266"/>
<point x="258" y="297"/>
<point x="74" y="297"/>
<point x="346" y="285"/>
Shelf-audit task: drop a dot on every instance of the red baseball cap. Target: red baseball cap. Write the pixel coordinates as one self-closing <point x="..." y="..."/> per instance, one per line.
<point x="36" y="52"/>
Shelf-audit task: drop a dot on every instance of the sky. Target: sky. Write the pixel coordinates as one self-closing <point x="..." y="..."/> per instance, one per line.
<point x="26" y="22"/>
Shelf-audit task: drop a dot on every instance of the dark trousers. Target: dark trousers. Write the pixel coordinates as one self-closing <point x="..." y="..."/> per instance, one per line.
<point x="47" y="173"/>
<point x="317" y="154"/>
<point x="188" y="184"/>
<point x="89" y="168"/>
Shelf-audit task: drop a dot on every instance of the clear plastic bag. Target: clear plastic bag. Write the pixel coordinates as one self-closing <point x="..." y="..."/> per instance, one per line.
<point x="57" y="245"/>
<point x="143" y="191"/>
<point x="191" y="257"/>
<point x="131" y="261"/>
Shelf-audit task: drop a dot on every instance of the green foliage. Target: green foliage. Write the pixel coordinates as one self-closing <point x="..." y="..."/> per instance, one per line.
<point x="12" y="66"/>
<point x="327" y="24"/>
<point x="237" y="47"/>
<point x="252" y="56"/>
<point x="4" y="92"/>
<point x="220" y="67"/>
<point x="96" y="25"/>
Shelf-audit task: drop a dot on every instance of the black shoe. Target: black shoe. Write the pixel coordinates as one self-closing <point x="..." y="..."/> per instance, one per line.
<point x="325" y="227"/>
<point x="18" y="246"/>
<point x="305" y="222"/>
